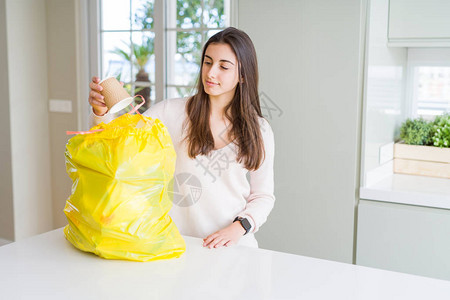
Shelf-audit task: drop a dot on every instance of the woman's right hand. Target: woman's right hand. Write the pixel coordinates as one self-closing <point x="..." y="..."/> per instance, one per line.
<point x="96" y="100"/>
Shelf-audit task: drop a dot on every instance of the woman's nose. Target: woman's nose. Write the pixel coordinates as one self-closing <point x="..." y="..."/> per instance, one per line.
<point x="212" y="71"/>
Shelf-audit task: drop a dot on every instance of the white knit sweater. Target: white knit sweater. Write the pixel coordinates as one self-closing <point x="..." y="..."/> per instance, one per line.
<point x="210" y="191"/>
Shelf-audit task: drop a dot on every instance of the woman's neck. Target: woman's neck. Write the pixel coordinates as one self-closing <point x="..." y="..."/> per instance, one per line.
<point x="218" y="105"/>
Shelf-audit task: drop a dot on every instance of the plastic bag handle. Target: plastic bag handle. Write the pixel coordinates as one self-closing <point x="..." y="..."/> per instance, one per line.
<point x="83" y="132"/>
<point x="134" y="110"/>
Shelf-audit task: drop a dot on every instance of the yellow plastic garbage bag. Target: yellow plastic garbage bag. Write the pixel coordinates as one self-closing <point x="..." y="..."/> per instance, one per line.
<point x="119" y="204"/>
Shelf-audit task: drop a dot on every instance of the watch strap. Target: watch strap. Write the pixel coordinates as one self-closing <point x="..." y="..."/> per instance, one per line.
<point x="244" y="223"/>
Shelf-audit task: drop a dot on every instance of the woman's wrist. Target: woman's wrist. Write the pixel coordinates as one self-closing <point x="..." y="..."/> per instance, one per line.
<point x="239" y="227"/>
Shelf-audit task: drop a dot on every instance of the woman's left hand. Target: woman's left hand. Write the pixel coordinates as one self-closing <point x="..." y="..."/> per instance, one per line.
<point x="228" y="236"/>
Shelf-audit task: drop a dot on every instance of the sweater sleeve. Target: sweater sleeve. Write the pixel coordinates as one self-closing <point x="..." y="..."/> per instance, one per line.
<point x="261" y="199"/>
<point x="95" y="119"/>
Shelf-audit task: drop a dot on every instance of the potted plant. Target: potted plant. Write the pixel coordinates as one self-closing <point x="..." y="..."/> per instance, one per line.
<point x="425" y="147"/>
<point x="141" y="56"/>
<point x="441" y="135"/>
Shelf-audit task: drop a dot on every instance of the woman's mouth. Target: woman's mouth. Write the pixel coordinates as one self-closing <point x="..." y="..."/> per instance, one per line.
<point x="209" y="83"/>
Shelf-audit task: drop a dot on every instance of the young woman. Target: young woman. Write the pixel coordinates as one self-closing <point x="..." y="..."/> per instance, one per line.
<point x="220" y="138"/>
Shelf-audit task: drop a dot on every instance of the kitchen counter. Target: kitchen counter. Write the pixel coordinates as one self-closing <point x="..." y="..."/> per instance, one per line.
<point x="410" y="189"/>
<point x="47" y="266"/>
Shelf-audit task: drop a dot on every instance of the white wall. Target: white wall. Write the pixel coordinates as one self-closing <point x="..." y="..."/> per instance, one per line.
<point x="386" y="79"/>
<point x="37" y="51"/>
<point x="29" y="128"/>
<point x="310" y="57"/>
<point x="62" y="62"/>
<point x="6" y="198"/>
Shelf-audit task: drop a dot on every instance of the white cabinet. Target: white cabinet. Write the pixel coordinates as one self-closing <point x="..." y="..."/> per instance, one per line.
<point x="404" y="238"/>
<point x="419" y="23"/>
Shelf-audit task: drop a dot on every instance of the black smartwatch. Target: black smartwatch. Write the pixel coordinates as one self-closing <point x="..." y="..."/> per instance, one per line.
<point x="245" y="223"/>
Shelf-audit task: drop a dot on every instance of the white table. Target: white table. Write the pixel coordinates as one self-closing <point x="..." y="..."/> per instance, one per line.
<point x="49" y="267"/>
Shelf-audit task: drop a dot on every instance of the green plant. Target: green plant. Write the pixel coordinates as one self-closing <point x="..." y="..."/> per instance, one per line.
<point x="140" y="57"/>
<point x="417" y="132"/>
<point x="127" y="86"/>
<point x="189" y="15"/>
<point x="441" y="130"/>
<point x="143" y="18"/>
<point x="141" y="53"/>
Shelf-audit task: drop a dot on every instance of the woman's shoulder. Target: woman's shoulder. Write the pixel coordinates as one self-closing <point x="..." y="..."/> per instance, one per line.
<point x="172" y="103"/>
<point x="167" y="106"/>
<point x="267" y="136"/>
<point x="265" y="127"/>
<point x="177" y="101"/>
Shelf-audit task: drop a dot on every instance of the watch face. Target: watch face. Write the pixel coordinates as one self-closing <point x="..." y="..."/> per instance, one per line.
<point x="246" y="224"/>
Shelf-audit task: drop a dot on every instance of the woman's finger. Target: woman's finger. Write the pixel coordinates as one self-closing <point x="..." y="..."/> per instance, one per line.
<point x="229" y="243"/>
<point x="209" y="239"/>
<point x="92" y="102"/>
<point x="216" y="243"/>
<point x="95" y="87"/>
<point x="96" y="96"/>
<point x="96" y="79"/>
<point x="97" y="103"/>
<point x="221" y="243"/>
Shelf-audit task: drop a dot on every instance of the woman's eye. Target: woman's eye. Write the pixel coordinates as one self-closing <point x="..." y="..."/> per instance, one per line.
<point x="209" y="63"/>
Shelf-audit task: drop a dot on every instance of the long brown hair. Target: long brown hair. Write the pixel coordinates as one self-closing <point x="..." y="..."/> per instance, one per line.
<point x="242" y="112"/>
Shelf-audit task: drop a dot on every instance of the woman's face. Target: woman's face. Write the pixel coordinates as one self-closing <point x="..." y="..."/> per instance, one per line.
<point x="220" y="71"/>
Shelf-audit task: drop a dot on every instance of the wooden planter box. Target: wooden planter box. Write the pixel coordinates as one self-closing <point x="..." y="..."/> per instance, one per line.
<point x="421" y="160"/>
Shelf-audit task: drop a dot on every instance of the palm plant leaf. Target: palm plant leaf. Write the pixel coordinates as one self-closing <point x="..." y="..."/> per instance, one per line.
<point x="124" y="54"/>
<point x="143" y="52"/>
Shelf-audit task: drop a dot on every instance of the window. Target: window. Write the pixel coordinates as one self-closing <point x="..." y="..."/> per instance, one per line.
<point x="155" y="60"/>
<point x="428" y="82"/>
<point x="189" y="25"/>
<point x="431" y="90"/>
